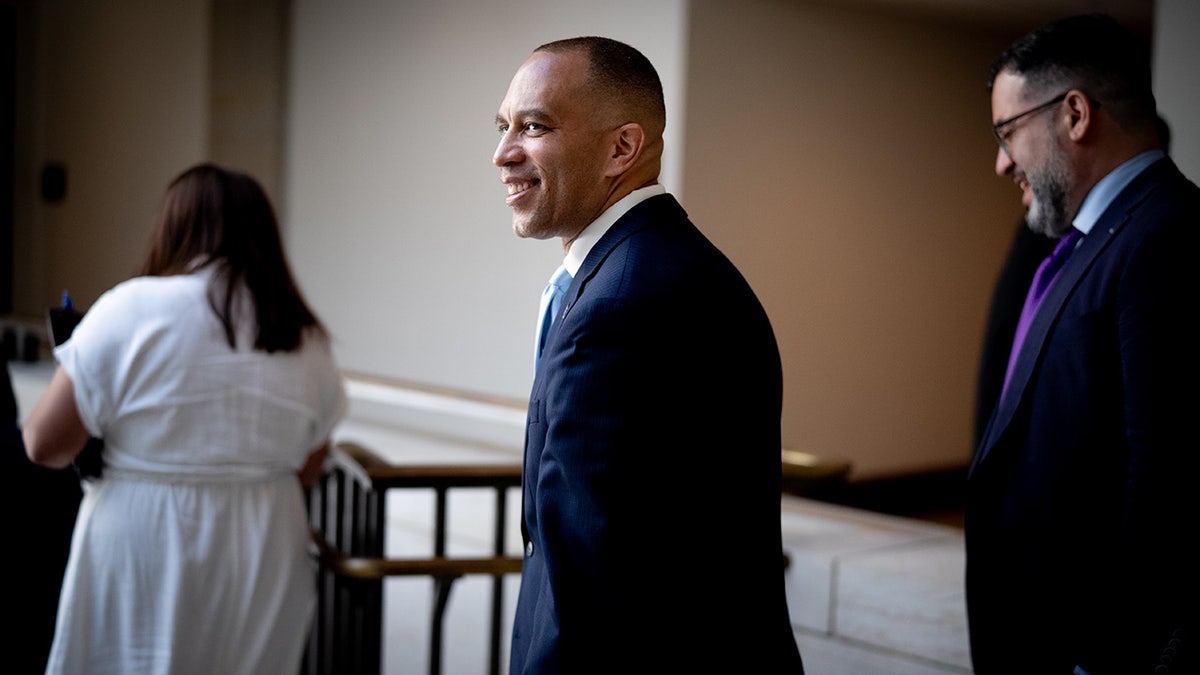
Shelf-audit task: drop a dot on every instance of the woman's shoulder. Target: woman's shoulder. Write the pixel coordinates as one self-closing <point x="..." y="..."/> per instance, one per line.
<point x="141" y="291"/>
<point x="174" y="283"/>
<point x="142" y="298"/>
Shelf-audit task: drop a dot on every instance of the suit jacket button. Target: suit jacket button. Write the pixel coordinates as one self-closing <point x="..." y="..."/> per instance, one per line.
<point x="529" y="549"/>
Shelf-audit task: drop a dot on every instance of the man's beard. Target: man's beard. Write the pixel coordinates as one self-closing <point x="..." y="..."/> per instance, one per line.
<point x="1050" y="184"/>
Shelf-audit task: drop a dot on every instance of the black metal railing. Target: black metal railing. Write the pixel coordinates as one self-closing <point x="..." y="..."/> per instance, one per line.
<point x="346" y="513"/>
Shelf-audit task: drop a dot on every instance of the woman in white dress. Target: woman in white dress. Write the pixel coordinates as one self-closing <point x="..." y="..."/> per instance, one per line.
<point x="213" y="388"/>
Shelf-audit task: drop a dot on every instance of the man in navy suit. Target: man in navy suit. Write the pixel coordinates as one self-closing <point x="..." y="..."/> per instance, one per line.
<point x="651" y="486"/>
<point x="1082" y="506"/>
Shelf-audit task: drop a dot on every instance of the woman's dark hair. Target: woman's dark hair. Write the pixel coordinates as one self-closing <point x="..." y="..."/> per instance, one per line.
<point x="212" y="216"/>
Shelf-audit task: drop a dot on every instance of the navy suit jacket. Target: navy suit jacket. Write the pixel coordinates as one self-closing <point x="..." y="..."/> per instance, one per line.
<point x="651" y="487"/>
<point x="1082" y="506"/>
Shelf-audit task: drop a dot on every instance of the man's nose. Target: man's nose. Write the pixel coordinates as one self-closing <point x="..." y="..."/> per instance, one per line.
<point x="1004" y="163"/>
<point x="507" y="151"/>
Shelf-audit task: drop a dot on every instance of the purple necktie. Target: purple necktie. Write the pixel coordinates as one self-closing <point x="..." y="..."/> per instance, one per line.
<point x="1043" y="279"/>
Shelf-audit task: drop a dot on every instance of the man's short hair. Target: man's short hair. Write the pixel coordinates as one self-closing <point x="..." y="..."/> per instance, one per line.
<point x="1091" y="52"/>
<point x="619" y="73"/>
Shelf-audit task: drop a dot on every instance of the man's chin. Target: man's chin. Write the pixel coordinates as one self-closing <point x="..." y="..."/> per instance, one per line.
<point x="521" y="228"/>
<point x="1052" y="230"/>
<point x="523" y="231"/>
<point x="1036" y="222"/>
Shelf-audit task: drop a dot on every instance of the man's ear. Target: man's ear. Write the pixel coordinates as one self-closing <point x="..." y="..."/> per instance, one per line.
<point x="625" y="145"/>
<point x="1081" y="112"/>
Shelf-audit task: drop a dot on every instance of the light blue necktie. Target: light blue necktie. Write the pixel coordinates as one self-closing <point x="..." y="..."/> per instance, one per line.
<point x="551" y="301"/>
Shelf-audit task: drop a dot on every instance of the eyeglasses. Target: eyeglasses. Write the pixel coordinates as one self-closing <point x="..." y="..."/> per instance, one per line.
<point x="1001" y="138"/>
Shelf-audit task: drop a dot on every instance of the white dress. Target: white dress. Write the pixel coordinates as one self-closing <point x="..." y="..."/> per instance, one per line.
<point x="190" y="552"/>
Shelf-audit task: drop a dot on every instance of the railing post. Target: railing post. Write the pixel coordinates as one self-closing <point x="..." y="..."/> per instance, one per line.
<point x="497" y="583"/>
<point x="441" y="585"/>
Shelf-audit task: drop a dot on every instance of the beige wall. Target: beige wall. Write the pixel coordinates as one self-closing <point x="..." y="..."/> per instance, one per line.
<point x="118" y="95"/>
<point x="1176" y="53"/>
<point x="838" y="153"/>
<point x="127" y="94"/>
<point x="247" y="87"/>
<point x="842" y="158"/>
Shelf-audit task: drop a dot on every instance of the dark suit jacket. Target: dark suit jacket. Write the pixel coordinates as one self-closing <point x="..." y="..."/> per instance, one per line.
<point x="1025" y="254"/>
<point x="1082" y="504"/>
<point x="651" y="491"/>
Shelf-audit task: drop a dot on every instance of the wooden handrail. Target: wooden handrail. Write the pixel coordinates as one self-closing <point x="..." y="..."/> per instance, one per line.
<point x="376" y="472"/>
<point x="375" y="569"/>
<point x="451" y="475"/>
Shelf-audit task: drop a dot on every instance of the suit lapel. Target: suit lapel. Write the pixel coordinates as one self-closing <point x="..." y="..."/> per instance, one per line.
<point x="642" y="215"/>
<point x="1107" y="228"/>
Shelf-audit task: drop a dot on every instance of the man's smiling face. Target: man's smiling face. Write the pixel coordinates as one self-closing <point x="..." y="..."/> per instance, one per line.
<point x="551" y="152"/>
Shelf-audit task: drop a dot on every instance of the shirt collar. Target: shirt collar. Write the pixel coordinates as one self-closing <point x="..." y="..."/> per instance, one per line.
<point x="591" y="234"/>
<point x="1109" y="187"/>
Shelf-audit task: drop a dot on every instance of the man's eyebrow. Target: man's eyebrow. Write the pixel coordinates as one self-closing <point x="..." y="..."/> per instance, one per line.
<point x="536" y="114"/>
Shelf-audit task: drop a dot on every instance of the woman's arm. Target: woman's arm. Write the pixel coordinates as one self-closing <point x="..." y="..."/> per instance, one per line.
<point x="314" y="466"/>
<point x="54" y="434"/>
